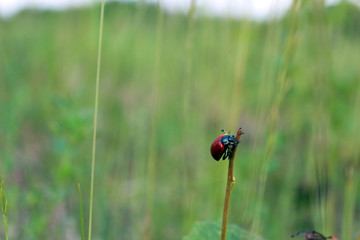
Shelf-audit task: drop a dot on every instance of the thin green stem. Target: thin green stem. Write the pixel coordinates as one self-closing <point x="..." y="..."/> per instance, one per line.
<point x="349" y="204"/>
<point x="152" y="155"/>
<point x="4" y="205"/>
<point x="5" y="225"/>
<point x="5" y="219"/>
<point x="229" y="185"/>
<point x="95" y="116"/>
<point x="81" y="213"/>
<point x="274" y="114"/>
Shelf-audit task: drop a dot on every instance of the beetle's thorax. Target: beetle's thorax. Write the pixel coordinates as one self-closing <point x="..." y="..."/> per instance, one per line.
<point x="228" y="140"/>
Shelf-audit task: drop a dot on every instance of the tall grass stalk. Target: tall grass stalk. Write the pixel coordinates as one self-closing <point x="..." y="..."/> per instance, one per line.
<point x="152" y="152"/>
<point x="187" y="117"/>
<point x="319" y="144"/>
<point x="264" y="90"/>
<point x="4" y="204"/>
<point x="349" y="205"/>
<point x="229" y="185"/>
<point x="274" y="114"/>
<point x="350" y="188"/>
<point x="244" y="37"/>
<point x="81" y="213"/>
<point x="188" y="55"/>
<point x="95" y="117"/>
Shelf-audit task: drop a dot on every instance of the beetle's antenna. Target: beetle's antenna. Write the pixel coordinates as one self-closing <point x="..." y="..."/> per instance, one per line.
<point x="224" y="131"/>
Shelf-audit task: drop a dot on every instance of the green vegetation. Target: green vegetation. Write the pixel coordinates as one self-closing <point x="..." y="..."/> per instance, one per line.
<point x="4" y="205"/>
<point x="169" y="83"/>
<point x="211" y="230"/>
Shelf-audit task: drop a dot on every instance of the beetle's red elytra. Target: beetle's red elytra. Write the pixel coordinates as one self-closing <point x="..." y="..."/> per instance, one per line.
<point x="217" y="148"/>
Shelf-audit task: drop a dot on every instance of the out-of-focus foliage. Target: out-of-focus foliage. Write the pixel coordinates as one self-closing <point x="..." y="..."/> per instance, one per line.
<point x="171" y="88"/>
<point x="212" y="230"/>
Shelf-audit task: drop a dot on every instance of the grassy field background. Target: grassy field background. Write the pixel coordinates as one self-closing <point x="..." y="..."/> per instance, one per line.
<point x="169" y="83"/>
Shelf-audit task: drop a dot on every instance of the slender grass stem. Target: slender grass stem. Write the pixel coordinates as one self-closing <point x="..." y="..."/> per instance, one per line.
<point x="187" y="218"/>
<point x="152" y="155"/>
<point x="81" y="213"/>
<point x="5" y="220"/>
<point x="283" y="84"/>
<point x="4" y="204"/>
<point x="95" y="117"/>
<point x="229" y="185"/>
<point x="349" y="204"/>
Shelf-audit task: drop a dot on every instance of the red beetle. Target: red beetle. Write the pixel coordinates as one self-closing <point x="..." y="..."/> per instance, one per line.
<point x="223" y="145"/>
<point x="313" y="236"/>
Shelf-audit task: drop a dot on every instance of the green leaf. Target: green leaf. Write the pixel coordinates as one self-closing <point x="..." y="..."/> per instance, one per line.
<point x="210" y="230"/>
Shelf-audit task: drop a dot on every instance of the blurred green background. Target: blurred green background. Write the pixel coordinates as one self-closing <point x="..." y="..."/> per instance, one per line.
<point x="169" y="83"/>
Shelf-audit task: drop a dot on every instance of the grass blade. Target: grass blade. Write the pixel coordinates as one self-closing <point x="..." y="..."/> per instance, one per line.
<point x="95" y="116"/>
<point x="4" y="204"/>
<point x="81" y="213"/>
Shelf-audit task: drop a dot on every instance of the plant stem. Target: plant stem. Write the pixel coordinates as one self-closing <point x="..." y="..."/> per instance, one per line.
<point x="95" y="117"/>
<point x="153" y="154"/>
<point x="229" y="185"/>
<point x="5" y="225"/>
<point x="81" y="214"/>
<point x="4" y="204"/>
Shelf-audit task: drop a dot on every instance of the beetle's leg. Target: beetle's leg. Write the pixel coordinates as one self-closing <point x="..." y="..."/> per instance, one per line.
<point x="230" y="153"/>
<point x="225" y="154"/>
